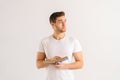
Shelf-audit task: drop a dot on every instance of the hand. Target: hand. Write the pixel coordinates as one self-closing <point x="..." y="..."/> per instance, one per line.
<point x="60" y="65"/>
<point x="56" y="58"/>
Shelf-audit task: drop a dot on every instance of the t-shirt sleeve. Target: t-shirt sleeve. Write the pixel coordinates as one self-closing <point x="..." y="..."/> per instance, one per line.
<point x="77" y="46"/>
<point x="41" y="47"/>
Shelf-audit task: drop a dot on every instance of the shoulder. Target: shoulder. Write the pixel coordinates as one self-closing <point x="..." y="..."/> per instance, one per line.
<point x="45" y="39"/>
<point x="73" y="39"/>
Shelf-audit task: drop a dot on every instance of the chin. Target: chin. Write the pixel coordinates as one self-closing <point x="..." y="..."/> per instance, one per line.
<point x="63" y="31"/>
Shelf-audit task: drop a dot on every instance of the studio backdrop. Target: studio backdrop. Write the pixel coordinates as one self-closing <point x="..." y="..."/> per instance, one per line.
<point x="23" y="23"/>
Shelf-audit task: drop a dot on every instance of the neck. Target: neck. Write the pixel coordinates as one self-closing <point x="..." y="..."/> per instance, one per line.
<point x="58" y="36"/>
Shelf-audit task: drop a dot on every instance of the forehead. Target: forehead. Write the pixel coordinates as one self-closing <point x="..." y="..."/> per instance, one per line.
<point x="60" y="18"/>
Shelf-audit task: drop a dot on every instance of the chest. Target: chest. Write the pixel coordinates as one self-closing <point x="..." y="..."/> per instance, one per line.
<point x="59" y="49"/>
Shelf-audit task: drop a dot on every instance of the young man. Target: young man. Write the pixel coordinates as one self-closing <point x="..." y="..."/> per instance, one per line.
<point x="58" y="44"/>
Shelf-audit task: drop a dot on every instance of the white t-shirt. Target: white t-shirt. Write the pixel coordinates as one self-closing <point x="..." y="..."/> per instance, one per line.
<point x="63" y="47"/>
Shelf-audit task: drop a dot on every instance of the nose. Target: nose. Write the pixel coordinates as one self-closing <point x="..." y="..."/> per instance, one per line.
<point x="64" y="23"/>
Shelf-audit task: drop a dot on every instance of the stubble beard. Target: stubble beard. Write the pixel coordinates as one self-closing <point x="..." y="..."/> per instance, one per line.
<point x="62" y="31"/>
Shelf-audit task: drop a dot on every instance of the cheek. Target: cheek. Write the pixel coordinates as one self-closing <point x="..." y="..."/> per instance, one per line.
<point x="59" y="25"/>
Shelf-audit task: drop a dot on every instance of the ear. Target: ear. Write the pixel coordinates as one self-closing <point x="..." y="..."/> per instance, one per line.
<point x="52" y="24"/>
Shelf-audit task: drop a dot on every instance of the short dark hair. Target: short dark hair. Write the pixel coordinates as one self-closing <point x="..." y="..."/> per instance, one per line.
<point x="54" y="15"/>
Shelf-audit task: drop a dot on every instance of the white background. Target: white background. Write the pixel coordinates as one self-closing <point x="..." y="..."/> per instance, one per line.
<point x="23" y="23"/>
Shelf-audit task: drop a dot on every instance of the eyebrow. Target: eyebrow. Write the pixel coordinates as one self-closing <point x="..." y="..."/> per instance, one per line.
<point x="61" y="20"/>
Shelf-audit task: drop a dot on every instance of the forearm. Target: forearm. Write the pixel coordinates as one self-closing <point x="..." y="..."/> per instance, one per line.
<point x="74" y="65"/>
<point x="40" y="64"/>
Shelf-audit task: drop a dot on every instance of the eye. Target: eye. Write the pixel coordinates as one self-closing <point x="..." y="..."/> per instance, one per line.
<point x="60" y="22"/>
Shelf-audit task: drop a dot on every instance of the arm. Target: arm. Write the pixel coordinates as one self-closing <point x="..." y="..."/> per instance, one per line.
<point x="39" y="60"/>
<point x="78" y="61"/>
<point x="75" y="65"/>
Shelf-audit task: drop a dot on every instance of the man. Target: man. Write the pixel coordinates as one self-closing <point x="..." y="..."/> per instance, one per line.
<point x="58" y="44"/>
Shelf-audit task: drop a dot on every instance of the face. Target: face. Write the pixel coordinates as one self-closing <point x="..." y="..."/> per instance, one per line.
<point x="60" y="25"/>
